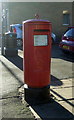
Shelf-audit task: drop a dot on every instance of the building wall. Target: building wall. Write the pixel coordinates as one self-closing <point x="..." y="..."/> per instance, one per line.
<point x="52" y="11"/>
<point x="0" y="22"/>
<point x="73" y="13"/>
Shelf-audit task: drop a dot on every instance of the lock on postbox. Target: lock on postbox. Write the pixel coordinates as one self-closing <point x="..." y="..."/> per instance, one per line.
<point x="37" y="59"/>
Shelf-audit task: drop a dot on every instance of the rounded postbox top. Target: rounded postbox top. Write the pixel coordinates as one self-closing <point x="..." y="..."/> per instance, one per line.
<point x="36" y="21"/>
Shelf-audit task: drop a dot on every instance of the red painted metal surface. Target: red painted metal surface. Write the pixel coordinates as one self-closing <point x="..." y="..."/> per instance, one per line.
<point x="37" y="59"/>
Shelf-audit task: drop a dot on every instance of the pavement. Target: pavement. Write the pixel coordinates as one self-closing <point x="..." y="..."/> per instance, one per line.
<point x="13" y="105"/>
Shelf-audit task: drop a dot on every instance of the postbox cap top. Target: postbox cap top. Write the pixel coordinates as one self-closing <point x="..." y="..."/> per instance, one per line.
<point x="35" y="20"/>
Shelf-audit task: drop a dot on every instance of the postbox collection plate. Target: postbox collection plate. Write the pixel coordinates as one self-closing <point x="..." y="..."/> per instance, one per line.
<point x="40" y="40"/>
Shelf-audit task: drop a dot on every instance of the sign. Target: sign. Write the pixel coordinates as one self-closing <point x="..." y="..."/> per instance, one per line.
<point x="40" y="40"/>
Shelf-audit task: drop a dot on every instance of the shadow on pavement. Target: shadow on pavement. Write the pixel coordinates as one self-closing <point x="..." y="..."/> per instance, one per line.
<point x="57" y="53"/>
<point x="52" y="111"/>
<point x="17" y="61"/>
<point x="12" y="73"/>
<point x="55" y="81"/>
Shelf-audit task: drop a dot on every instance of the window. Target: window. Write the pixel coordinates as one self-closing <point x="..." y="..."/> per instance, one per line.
<point x="66" y="18"/>
<point x="70" y="33"/>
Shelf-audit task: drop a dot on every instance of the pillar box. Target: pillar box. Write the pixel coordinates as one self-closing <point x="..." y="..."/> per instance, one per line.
<point x="37" y="58"/>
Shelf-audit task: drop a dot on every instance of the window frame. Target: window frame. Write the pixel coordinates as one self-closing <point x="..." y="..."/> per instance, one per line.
<point x="66" y="18"/>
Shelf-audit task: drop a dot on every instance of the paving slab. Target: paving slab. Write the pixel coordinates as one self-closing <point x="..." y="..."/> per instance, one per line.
<point x="11" y="75"/>
<point x="20" y="53"/>
<point x="62" y="93"/>
<point x="13" y="109"/>
<point x="0" y="110"/>
<point x="65" y="83"/>
<point x="68" y="106"/>
<point x="61" y="69"/>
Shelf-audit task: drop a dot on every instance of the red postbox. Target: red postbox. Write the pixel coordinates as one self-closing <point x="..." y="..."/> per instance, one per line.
<point x="37" y="58"/>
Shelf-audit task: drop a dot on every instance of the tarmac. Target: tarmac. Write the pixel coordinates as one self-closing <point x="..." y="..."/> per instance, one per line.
<point x="13" y="104"/>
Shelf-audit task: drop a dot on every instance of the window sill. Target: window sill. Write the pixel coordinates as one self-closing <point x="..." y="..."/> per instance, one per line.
<point x="65" y="24"/>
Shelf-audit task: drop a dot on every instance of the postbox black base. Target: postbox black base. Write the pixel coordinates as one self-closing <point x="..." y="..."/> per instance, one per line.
<point x="34" y="96"/>
<point x="11" y="52"/>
